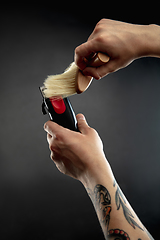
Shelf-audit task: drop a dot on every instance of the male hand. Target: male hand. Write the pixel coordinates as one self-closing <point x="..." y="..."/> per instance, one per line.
<point x="123" y="42"/>
<point x="77" y="154"/>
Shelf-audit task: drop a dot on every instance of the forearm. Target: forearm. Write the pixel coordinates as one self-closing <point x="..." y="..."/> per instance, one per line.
<point x="80" y="155"/>
<point x="116" y="216"/>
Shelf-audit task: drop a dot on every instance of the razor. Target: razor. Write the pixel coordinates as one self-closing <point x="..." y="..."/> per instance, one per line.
<point x="59" y="110"/>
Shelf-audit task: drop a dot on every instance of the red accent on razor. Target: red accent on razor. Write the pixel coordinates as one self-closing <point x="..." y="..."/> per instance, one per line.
<point x="58" y="105"/>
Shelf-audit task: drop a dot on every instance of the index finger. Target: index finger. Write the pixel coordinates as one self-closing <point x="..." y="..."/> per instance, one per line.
<point x="51" y="128"/>
<point x="85" y="50"/>
<point x="57" y="131"/>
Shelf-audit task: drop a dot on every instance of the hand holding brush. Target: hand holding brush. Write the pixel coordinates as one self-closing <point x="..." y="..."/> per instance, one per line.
<point x="72" y="81"/>
<point x="122" y="42"/>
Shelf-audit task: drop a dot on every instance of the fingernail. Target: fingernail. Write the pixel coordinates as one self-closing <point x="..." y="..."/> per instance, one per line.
<point x="81" y="116"/>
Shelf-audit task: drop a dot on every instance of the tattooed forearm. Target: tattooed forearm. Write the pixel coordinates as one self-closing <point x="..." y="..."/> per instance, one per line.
<point x="118" y="234"/>
<point x="103" y="200"/>
<point x="121" y="202"/>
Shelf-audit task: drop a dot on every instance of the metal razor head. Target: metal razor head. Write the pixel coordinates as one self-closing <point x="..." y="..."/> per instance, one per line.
<point x="43" y="102"/>
<point x="42" y="91"/>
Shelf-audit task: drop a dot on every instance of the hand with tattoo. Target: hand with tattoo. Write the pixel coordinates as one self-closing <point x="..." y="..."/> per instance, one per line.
<point x="80" y="155"/>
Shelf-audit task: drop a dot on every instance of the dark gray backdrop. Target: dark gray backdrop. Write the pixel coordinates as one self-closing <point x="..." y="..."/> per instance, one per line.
<point x="38" y="202"/>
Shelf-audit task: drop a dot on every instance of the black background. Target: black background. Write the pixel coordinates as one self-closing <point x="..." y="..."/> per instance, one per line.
<point x="36" y="201"/>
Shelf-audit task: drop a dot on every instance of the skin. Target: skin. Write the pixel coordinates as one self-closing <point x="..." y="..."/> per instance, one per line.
<point x="80" y="154"/>
<point x="123" y="42"/>
<point x="71" y="151"/>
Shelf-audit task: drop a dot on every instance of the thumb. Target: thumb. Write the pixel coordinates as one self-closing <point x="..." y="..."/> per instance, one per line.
<point x="109" y="67"/>
<point x="82" y="123"/>
<point x="101" y="71"/>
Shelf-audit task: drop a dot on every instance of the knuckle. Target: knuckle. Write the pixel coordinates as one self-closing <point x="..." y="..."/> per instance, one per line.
<point x="103" y="20"/>
<point x="97" y="29"/>
<point x="99" y="26"/>
<point x="51" y="147"/>
<point x="57" y="143"/>
<point x="54" y="147"/>
<point x="100" y="22"/>
<point x="52" y="156"/>
<point x="100" y="38"/>
<point x="59" y="136"/>
<point x="78" y="50"/>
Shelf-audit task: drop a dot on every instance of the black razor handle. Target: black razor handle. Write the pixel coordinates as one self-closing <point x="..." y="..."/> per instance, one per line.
<point x="60" y="112"/>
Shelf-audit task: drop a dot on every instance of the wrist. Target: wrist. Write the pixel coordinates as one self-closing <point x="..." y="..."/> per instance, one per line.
<point x="154" y="40"/>
<point x="148" y="45"/>
<point x="98" y="173"/>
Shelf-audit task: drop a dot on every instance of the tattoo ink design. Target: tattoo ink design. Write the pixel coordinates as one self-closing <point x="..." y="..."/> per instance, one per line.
<point x="121" y="202"/>
<point x="103" y="199"/>
<point x="118" y="234"/>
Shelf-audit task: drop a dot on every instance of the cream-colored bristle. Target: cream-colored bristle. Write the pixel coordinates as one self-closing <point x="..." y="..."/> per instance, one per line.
<point x="62" y="84"/>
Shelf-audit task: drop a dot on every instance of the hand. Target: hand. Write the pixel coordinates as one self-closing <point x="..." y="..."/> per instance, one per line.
<point x="123" y="42"/>
<point x="77" y="154"/>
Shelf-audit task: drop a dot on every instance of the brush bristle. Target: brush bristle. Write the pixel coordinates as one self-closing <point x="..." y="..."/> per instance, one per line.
<point x="62" y="84"/>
